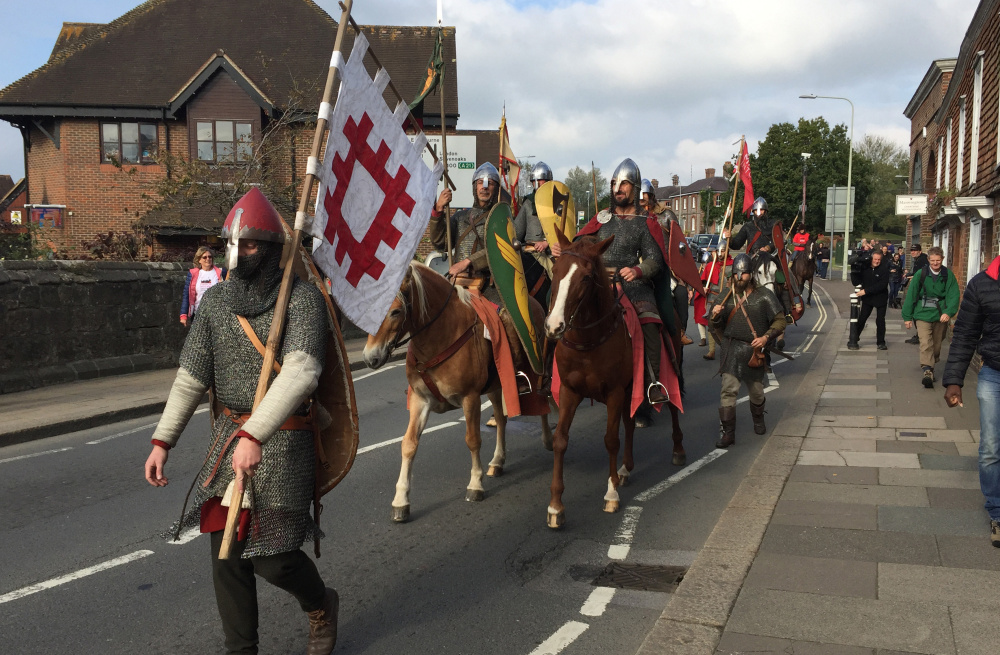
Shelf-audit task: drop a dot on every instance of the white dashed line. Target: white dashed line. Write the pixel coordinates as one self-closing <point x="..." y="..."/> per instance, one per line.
<point x="659" y="488"/>
<point x="381" y="370"/>
<point x="45" y="452"/>
<point x="598" y="601"/>
<point x="82" y="573"/>
<point x="188" y="535"/>
<point x="626" y="531"/>
<point x="562" y="638"/>
<point x="399" y="439"/>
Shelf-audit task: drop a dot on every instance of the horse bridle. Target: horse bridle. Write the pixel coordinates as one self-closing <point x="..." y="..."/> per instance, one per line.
<point x="407" y="310"/>
<point x="614" y="312"/>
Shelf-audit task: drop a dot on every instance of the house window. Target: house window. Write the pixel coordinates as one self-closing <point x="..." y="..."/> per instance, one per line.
<point x="225" y="142"/>
<point x="947" y="161"/>
<point x="960" y="160"/>
<point x="917" y="186"/>
<point x="937" y="166"/>
<point x="718" y="200"/>
<point x="128" y="143"/>
<point x="977" y="107"/>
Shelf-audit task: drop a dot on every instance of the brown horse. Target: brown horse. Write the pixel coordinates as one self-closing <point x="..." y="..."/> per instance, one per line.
<point x="455" y="357"/>
<point x="804" y="268"/>
<point x="594" y="358"/>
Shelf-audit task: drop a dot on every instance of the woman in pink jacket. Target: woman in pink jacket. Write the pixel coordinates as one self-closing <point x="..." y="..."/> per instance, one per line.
<point x="204" y="275"/>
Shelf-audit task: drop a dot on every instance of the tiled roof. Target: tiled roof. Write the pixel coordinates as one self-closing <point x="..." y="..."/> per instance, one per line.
<point x="145" y="57"/>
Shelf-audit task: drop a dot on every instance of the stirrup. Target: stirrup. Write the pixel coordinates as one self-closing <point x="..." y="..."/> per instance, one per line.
<point x="666" y="395"/>
<point x="527" y="381"/>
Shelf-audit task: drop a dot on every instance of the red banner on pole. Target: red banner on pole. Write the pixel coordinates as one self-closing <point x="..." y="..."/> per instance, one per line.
<point x="744" y="167"/>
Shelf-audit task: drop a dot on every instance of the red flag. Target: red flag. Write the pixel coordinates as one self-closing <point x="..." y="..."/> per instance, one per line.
<point x="744" y="167"/>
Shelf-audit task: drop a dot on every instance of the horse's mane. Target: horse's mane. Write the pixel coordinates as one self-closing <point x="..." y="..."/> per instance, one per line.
<point x="597" y="258"/>
<point x="424" y="277"/>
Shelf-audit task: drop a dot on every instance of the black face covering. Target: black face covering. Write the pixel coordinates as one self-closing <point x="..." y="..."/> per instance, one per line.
<point x="252" y="287"/>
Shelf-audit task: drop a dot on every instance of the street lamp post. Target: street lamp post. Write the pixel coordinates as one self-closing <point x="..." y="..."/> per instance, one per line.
<point x="850" y="157"/>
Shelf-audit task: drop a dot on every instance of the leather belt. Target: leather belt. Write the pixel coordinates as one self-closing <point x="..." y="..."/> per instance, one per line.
<point x="411" y="360"/>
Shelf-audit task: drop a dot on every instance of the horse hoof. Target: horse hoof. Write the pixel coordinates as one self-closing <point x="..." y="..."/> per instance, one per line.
<point x="555" y="521"/>
<point x="611" y="506"/>
<point x="547" y="443"/>
<point x="474" y="495"/>
<point x="401" y="514"/>
<point x="680" y="459"/>
<point x="495" y="471"/>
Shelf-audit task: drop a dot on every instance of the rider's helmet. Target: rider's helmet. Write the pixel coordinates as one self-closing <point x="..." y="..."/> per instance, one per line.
<point x="541" y="173"/>
<point x="741" y="264"/>
<point x="759" y="207"/>
<point x="487" y="173"/>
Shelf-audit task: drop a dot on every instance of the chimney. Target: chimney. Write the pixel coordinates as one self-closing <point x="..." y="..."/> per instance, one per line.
<point x="676" y="180"/>
<point x="655" y="183"/>
<point x="709" y="173"/>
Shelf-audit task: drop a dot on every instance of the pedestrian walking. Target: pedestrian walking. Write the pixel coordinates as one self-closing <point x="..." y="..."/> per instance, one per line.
<point x="977" y="329"/>
<point x="271" y="449"/>
<point x="748" y="319"/>
<point x="919" y="261"/>
<point x="931" y="301"/>
<point x="200" y="279"/>
<point x="874" y="294"/>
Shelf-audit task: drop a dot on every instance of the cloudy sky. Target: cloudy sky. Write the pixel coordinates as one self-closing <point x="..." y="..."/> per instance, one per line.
<point x="670" y="83"/>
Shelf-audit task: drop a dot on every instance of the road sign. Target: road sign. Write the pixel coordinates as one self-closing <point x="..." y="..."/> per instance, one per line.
<point x="837" y="209"/>
<point x="911" y="204"/>
<point x="461" y="165"/>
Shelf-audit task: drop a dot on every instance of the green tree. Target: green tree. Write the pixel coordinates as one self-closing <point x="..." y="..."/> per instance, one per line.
<point x="712" y="213"/>
<point x="885" y="161"/>
<point x="776" y="170"/>
<point x="581" y="185"/>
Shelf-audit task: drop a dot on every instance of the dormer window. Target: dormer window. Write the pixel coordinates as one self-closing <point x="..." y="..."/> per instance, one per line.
<point x="225" y="142"/>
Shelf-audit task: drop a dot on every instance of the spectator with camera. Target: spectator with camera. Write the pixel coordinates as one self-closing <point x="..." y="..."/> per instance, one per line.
<point x="931" y="300"/>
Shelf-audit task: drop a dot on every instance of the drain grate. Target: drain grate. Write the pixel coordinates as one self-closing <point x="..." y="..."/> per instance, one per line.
<point x="912" y="434"/>
<point x="641" y="577"/>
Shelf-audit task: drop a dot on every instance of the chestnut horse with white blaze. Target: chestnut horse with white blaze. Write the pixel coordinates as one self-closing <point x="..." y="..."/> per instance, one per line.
<point x="447" y="348"/>
<point x="594" y="360"/>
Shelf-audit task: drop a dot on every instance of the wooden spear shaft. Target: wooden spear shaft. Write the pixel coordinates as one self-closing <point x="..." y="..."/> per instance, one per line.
<point x="444" y="158"/>
<point x="731" y="211"/>
<point x="285" y="291"/>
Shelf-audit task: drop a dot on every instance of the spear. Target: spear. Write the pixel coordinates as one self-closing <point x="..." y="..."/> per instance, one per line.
<point x="593" y="183"/>
<point x="276" y="332"/>
<point x="727" y="224"/>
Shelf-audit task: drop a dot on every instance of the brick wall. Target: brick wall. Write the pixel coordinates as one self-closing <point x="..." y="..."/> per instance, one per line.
<point x="65" y="321"/>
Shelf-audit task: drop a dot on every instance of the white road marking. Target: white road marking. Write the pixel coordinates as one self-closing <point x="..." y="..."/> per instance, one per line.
<point x="188" y="535"/>
<point x="399" y="439"/>
<point x="45" y="452"/>
<point x="82" y="573"/>
<point x="626" y="531"/>
<point x="381" y="370"/>
<point x="134" y="430"/>
<point x="598" y="601"/>
<point x="562" y="638"/>
<point x="660" y="487"/>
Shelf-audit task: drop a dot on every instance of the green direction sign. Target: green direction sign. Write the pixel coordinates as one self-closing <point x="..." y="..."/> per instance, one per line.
<point x="466" y="164"/>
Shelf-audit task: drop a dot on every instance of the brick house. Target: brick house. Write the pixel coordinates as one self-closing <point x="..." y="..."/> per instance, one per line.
<point x="961" y="149"/>
<point x="122" y="112"/>
<point x="12" y="198"/>
<point x="686" y="200"/>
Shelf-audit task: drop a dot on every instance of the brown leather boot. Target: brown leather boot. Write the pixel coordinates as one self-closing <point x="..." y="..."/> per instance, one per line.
<point x="685" y="339"/>
<point x="757" y="412"/>
<point x="323" y="626"/>
<point x="727" y="417"/>
<point x="711" y="349"/>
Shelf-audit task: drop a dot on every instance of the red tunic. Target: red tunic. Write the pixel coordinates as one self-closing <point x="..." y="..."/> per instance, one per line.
<point x="800" y="240"/>
<point x="699" y="300"/>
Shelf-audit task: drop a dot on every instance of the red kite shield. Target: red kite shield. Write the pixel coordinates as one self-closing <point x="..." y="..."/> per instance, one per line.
<point x="778" y="237"/>
<point x="679" y="258"/>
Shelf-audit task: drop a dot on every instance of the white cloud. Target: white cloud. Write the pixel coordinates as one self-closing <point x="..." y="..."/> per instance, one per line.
<point x="670" y="84"/>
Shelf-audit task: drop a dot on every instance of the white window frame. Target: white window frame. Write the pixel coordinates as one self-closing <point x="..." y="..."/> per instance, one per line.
<point x="975" y="252"/>
<point x="947" y="158"/>
<point x="945" y="243"/>
<point x="960" y="159"/>
<point x="977" y="110"/>
<point x="939" y="164"/>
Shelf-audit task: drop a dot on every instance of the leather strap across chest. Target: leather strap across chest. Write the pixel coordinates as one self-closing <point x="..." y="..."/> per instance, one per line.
<point x="437" y="360"/>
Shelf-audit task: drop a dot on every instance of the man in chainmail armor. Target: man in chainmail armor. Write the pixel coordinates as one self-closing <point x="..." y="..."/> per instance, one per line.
<point x="535" y="256"/>
<point x="271" y="447"/>
<point x="472" y="266"/>
<point x="638" y="257"/>
<point x="749" y="317"/>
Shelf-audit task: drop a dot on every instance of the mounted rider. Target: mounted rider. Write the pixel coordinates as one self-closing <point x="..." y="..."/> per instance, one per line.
<point x="757" y="235"/>
<point x="800" y="239"/>
<point x="667" y="220"/>
<point x="748" y="319"/>
<point x="638" y="255"/>
<point x="528" y="230"/>
<point x="472" y="268"/>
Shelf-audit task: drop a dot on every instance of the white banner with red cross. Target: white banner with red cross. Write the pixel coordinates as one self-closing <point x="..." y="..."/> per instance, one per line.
<point x="375" y="196"/>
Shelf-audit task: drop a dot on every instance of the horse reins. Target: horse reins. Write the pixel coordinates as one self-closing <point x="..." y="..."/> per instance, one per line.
<point x="614" y="312"/>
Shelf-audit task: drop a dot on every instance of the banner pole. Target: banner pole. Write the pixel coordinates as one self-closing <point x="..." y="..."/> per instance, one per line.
<point x="444" y="154"/>
<point x="276" y="332"/>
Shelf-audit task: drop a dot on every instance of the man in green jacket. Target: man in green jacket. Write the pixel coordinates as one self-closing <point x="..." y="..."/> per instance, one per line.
<point x="931" y="301"/>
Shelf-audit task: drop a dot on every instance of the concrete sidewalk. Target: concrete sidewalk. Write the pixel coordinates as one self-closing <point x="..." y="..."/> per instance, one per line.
<point x="860" y="528"/>
<point x="63" y="408"/>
